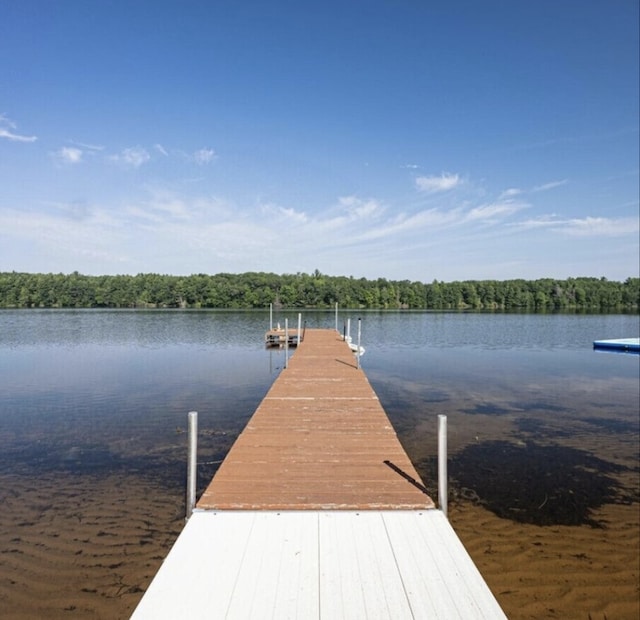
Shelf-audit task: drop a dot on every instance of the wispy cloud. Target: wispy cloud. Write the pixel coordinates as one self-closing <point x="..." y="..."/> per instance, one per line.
<point x="347" y="234"/>
<point x="496" y="211"/>
<point x="130" y="157"/>
<point x="68" y="155"/>
<point x="133" y="157"/>
<point x="14" y="137"/>
<point x="286" y="214"/>
<point x="86" y="146"/>
<point x="201" y="157"/>
<point x="547" y="186"/>
<point x="418" y="224"/>
<point x="601" y="227"/>
<point x="358" y="208"/>
<point x="237" y="243"/>
<point x="204" y="156"/>
<point x="164" y="207"/>
<point x="584" y="227"/>
<point x="7" y="131"/>
<point x="511" y="192"/>
<point x="435" y="184"/>
<point x="70" y="232"/>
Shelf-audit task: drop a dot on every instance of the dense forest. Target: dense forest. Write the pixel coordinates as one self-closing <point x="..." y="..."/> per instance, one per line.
<point x="301" y="290"/>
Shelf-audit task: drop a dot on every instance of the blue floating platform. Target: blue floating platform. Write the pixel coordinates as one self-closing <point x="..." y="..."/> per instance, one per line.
<point x="629" y="345"/>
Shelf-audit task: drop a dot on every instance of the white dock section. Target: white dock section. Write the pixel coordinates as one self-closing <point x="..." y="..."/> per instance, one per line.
<point x="324" y="564"/>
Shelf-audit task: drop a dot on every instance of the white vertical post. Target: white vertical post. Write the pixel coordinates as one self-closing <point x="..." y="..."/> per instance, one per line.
<point x="442" y="463"/>
<point x="192" y="462"/>
<point x="299" y="327"/>
<point x="359" y="334"/>
<point x="270" y="317"/>
<point x="336" y="316"/>
<point x="286" y="343"/>
<point x="348" y="330"/>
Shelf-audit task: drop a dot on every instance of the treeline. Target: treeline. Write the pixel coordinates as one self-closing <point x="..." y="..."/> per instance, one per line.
<point x="258" y="290"/>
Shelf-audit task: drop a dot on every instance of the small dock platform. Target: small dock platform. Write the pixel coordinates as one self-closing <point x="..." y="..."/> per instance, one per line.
<point x="279" y="337"/>
<point x="628" y="345"/>
<point x="318" y="513"/>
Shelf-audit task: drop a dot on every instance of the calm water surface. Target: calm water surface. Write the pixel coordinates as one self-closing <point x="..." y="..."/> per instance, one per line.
<point x="526" y="395"/>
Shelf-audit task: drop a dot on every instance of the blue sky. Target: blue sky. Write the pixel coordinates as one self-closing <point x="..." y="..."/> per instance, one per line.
<point x="402" y="139"/>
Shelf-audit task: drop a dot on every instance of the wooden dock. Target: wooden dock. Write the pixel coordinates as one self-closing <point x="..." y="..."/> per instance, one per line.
<point x="317" y="512"/>
<point x="319" y="440"/>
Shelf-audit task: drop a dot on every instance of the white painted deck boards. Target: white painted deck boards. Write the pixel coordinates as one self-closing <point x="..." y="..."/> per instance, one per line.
<point x="318" y="564"/>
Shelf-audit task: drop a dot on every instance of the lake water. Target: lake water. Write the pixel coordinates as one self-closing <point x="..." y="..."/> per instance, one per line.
<point x="542" y="429"/>
<point x="109" y="390"/>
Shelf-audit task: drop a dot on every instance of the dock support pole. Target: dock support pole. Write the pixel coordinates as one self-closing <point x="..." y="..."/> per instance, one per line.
<point x="191" y="462"/>
<point x="270" y="317"/>
<point x="299" y="328"/>
<point x="336" y="316"/>
<point x="442" y="463"/>
<point x="286" y="343"/>
<point x="359" y="335"/>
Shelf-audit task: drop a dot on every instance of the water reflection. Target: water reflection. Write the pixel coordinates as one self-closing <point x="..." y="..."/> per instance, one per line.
<point x="105" y="391"/>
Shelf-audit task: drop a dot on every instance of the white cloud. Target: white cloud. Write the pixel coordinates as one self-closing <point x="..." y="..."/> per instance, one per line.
<point x="358" y="208"/>
<point x="434" y="184"/>
<point x="204" y="156"/>
<point x="88" y="147"/>
<point x="511" y="192"/>
<point x="584" y="227"/>
<point x="496" y="210"/>
<point x="6" y="131"/>
<point x="133" y="157"/>
<point x="548" y="186"/>
<point x="601" y="227"/>
<point x="68" y="155"/>
<point x="65" y="236"/>
<point x="162" y="208"/>
<point x="349" y="235"/>
<point x="292" y="215"/>
<point x="137" y="156"/>
<point x="420" y="223"/>
<point x="545" y="221"/>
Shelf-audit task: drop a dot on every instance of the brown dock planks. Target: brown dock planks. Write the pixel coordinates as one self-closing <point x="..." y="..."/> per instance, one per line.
<point x="319" y="440"/>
